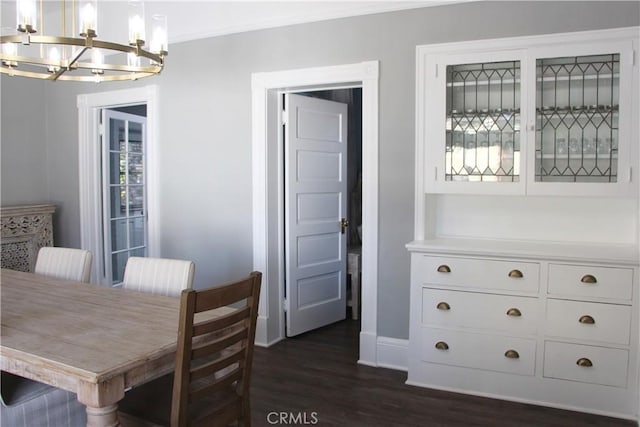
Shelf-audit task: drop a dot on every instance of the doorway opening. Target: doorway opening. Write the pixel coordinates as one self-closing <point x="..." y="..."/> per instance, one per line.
<point x="268" y="199"/>
<point x="124" y="188"/>
<point x="118" y="178"/>
<point x="322" y="148"/>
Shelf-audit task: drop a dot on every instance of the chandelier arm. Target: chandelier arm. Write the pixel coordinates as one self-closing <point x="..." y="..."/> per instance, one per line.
<point x="56" y="75"/>
<point x="66" y="77"/>
<point x="29" y="60"/>
<point x="85" y="42"/>
<point x="76" y="57"/>
<point x="114" y="67"/>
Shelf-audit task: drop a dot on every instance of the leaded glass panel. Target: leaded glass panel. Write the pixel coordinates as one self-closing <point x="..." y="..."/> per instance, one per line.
<point x="577" y="103"/>
<point x="483" y="122"/>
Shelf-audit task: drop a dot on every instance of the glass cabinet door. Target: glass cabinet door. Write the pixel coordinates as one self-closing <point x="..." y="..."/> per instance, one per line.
<point x="529" y="116"/>
<point x="577" y="107"/>
<point x="483" y="122"/>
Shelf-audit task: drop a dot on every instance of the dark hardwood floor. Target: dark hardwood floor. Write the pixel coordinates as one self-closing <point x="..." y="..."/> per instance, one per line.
<point x="314" y="379"/>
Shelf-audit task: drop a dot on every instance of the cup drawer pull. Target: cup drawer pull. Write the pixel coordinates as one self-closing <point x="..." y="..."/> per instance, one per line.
<point x="443" y="306"/>
<point x="514" y="312"/>
<point x="587" y="320"/>
<point x="589" y="279"/>
<point x="444" y="269"/>
<point x="583" y="361"/>
<point x="516" y="274"/>
<point x="441" y="345"/>
<point x="512" y="354"/>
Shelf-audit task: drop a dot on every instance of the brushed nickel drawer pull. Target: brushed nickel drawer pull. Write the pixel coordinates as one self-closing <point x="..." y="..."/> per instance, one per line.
<point x="583" y="361"/>
<point x="516" y="274"/>
<point x="514" y="312"/>
<point x="441" y="345"/>
<point x="443" y="306"/>
<point x="588" y="278"/>
<point x="444" y="269"/>
<point x="512" y="354"/>
<point x="587" y="320"/>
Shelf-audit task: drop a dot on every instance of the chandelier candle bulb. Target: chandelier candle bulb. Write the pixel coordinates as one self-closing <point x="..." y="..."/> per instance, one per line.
<point x="88" y="15"/>
<point x="9" y="49"/>
<point x="133" y="60"/>
<point x="159" y="34"/>
<point x="98" y="60"/>
<point x="136" y="23"/>
<point x="26" y="16"/>
<point x="54" y="56"/>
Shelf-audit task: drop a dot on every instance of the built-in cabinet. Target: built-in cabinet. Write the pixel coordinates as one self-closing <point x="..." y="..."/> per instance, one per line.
<point x="537" y="116"/>
<point x="511" y="295"/>
<point x="553" y="324"/>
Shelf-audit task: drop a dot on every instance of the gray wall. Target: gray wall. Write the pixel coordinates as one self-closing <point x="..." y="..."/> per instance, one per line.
<point x="205" y="135"/>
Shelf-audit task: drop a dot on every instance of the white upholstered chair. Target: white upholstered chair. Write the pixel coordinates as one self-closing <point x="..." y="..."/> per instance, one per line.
<point x="64" y="263"/>
<point x="160" y="276"/>
<point x="30" y="403"/>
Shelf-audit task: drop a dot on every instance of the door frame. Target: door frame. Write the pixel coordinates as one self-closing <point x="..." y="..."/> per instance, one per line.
<point x="267" y="190"/>
<point x="90" y="168"/>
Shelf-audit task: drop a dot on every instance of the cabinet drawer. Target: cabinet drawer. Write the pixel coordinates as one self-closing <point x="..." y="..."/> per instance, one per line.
<point x="588" y="281"/>
<point x="477" y="273"/>
<point x="588" y="321"/>
<point x="483" y="311"/>
<point x="479" y="351"/>
<point x="608" y="366"/>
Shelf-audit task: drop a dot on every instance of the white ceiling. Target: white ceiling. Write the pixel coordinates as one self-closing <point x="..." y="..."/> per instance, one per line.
<point x="190" y="20"/>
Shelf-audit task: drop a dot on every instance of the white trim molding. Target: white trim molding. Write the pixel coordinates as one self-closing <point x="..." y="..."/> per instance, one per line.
<point x="267" y="256"/>
<point x="393" y="353"/>
<point x="89" y="106"/>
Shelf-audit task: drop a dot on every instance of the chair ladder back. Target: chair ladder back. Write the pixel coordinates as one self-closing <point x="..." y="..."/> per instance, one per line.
<point x="203" y="350"/>
<point x="223" y="295"/>
<point x="180" y="400"/>
<point x="211" y="368"/>
<point x="222" y="322"/>
<point x="252" y="301"/>
<point x="214" y="356"/>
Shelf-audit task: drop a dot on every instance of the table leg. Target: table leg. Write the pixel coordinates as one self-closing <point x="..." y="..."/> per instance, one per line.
<point x="106" y="416"/>
<point x="101" y="400"/>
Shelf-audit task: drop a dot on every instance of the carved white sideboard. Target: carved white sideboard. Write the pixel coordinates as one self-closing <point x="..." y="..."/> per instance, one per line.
<point x="25" y="229"/>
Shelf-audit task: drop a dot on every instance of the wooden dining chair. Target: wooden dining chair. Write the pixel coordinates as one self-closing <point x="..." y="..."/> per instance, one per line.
<point x="162" y="276"/>
<point x="64" y="263"/>
<point x="210" y="385"/>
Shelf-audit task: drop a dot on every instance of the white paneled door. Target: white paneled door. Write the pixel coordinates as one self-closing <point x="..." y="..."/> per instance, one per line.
<point x="315" y="212"/>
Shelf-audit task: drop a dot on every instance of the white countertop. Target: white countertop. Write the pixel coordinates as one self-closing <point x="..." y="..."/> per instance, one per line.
<point x="573" y="251"/>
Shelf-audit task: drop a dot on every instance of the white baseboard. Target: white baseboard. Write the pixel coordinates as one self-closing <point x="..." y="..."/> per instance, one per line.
<point x="393" y="353"/>
<point x="383" y="352"/>
<point x="368" y="349"/>
<point x="262" y="336"/>
<point x="376" y="351"/>
<point x="261" y="331"/>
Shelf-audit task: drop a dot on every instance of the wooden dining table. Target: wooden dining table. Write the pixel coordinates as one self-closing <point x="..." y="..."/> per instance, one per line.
<point x="96" y="341"/>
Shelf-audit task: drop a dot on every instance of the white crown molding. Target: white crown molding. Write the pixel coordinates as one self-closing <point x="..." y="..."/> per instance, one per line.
<point x="199" y="19"/>
<point x="320" y="11"/>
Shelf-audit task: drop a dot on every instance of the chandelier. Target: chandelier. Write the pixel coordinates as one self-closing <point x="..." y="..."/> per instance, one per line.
<point x="30" y="51"/>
